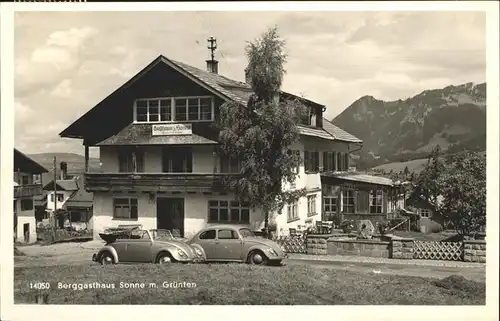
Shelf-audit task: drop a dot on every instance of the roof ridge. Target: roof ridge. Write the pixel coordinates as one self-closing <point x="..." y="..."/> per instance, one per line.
<point x="207" y="72"/>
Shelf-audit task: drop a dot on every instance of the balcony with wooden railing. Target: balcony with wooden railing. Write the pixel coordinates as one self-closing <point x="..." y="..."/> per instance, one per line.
<point x="28" y="190"/>
<point x="156" y="182"/>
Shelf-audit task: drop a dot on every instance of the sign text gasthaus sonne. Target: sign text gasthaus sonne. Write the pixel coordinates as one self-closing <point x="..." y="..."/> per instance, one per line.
<point x="171" y="129"/>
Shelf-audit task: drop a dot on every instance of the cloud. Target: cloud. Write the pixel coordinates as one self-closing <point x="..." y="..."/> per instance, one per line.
<point x="67" y="62"/>
<point x="53" y="61"/>
<point x="63" y="90"/>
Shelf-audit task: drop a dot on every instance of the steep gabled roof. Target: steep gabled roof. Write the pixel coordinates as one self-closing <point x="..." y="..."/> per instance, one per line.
<point x="62" y="185"/>
<point x="338" y="133"/>
<point x="25" y="164"/>
<point x="223" y="87"/>
<point x="80" y="198"/>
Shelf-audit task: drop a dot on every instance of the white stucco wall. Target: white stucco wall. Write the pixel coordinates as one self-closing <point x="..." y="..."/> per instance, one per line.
<point x="50" y="202"/>
<point x="103" y="212"/>
<point x="195" y="212"/>
<point x="25" y="217"/>
<point x="196" y="205"/>
<point x="203" y="159"/>
<point x="311" y="182"/>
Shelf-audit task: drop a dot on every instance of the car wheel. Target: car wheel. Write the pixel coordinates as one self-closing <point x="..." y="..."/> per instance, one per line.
<point x="106" y="258"/>
<point x="257" y="258"/>
<point x="164" y="258"/>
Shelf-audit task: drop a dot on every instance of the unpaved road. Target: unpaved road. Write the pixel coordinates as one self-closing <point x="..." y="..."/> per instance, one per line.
<point x="81" y="253"/>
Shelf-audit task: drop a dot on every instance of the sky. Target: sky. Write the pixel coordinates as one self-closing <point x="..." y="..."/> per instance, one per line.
<point x="67" y="62"/>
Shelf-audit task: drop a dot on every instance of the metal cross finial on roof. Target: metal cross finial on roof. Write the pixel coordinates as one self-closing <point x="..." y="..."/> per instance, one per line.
<point x="212" y="46"/>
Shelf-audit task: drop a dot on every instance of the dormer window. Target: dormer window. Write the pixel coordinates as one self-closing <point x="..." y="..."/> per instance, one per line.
<point x="174" y="109"/>
<point x="311" y="118"/>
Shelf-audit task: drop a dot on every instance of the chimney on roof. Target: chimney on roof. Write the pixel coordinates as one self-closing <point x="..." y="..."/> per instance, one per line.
<point x="64" y="169"/>
<point x="212" y="64"/>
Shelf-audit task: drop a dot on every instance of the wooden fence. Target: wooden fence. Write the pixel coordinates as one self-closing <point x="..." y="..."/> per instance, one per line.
<point x="292" y="243"/>
<point x="433" y="250"/>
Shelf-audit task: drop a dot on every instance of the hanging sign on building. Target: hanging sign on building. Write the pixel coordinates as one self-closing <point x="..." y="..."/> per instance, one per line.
<point x="172" y="129"/>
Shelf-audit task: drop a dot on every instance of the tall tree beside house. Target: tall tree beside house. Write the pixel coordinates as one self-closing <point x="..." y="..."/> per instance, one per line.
<point x="428" y="183"/>
<point x="260" y="136"/>
<point x="463" y="188"/>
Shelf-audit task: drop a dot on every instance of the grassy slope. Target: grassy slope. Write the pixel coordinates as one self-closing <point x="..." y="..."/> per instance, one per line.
<point x="76" y="163"/>
<point x="414" y="165"/>
<point x="243" y="284"/>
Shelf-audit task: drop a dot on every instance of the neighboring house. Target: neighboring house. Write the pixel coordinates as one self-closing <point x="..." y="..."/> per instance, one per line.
<point x="25" y="189"/>
<point x="356" y="196"/>
<point x="429" y="221"/>
<point x="69" y="194"/>
<point x="160" y="163"/>
<point x="80" y="207"/>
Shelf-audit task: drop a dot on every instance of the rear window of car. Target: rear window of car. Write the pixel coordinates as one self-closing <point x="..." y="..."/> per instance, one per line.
<point x="207" y="235"/>
<point x="227" y="235"/>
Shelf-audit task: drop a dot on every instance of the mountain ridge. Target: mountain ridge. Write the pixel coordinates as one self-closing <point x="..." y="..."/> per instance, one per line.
<point x="453" y="117"/>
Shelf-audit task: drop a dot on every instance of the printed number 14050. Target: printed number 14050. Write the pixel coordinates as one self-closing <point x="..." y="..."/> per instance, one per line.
<point x="40" y="285"/>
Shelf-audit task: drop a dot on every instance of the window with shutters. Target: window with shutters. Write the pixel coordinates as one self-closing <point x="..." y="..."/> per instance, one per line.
<point x="311" y="205"/>
<point x="230" y="165"/>
<point x="131" y="160"/>
<point x="329" y="161"/>
<point x="125" y="208"/>
<point x="177" y="160"/>
<point x="339" y="162"/>
<point x="292" y="213"/>
<point x="311" y="161"/>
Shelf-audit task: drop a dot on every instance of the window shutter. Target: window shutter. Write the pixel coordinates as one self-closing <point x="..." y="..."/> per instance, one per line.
<point x="316" y="161"/>
<point x="363" y="200"/>
<point x="306" y="161"/>
<point x="384" y="202"/>
<point x="326" y="168"/>
<point x="346" y="161"/>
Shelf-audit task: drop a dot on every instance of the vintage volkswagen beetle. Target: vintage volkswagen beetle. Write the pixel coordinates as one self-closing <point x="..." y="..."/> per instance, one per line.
<point x="136" y="245"/>
<point x="234" y="243"/>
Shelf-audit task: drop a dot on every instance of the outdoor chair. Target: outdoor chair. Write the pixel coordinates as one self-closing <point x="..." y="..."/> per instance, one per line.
<point x="319" y="227"/>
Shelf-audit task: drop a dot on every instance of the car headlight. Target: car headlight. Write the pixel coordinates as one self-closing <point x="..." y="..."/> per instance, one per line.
<point x="272" y="252"/>
<point x="198" y="251"/>
<point x="181" y="253"/>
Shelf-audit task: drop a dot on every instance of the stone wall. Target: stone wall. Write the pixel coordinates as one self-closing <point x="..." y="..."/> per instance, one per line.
<point x="317" y="244"/>
<point x="370" y="248"/>
<point x="389" y="247"/>
<point x="402" y="248"/>
<point x="474" y="251"/>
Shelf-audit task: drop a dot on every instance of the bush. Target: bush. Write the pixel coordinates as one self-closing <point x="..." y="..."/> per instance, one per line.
<point x="348" y="226"/>
<point x="382" y="227"/>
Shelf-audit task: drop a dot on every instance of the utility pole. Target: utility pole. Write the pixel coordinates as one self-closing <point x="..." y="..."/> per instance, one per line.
<point x="55" y="199"/>
<point x="213" y="45"/>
